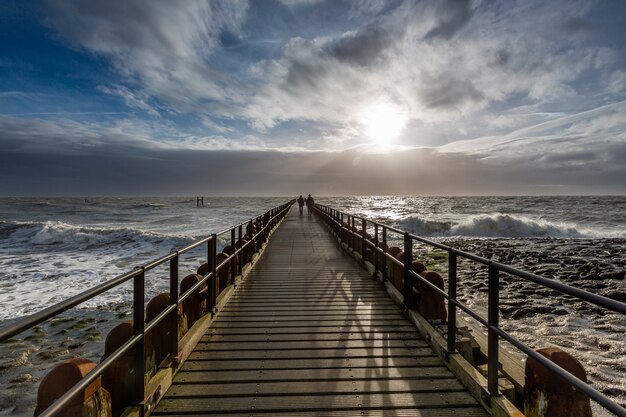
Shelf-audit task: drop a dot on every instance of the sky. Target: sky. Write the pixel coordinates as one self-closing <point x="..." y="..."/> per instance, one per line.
<point x="283" y="97"/>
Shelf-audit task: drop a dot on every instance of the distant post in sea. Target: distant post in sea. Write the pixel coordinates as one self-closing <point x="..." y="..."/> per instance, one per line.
<point x="199" y="201"/>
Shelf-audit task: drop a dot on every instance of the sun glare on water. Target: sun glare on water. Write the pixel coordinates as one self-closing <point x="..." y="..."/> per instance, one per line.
<point x="383" y="122"/>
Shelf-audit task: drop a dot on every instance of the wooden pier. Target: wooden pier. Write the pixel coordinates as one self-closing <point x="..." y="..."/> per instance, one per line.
<point x="309" y="332"/>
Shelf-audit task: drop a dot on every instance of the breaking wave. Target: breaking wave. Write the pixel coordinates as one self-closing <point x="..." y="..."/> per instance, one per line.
<point x="496" y="225"/>
<point x="56" y="234"/>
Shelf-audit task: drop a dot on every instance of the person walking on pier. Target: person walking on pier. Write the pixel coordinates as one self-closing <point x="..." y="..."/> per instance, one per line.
<point x="301" y="204"/>
<point x="309" y="204"/>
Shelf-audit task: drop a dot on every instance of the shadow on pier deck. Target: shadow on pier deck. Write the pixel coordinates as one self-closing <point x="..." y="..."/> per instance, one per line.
<point x="309" y="332"/>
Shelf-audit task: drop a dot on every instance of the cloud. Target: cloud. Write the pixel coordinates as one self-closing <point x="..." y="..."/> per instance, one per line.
<point x="363" y="47"/>
<point x="132" y="99"/>
<point x="451" y="16"/>
<point x="441" y="61"/>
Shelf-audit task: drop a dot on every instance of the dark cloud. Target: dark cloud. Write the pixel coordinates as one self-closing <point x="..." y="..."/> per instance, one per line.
<point x="362" y="47"/>
<point x="452" y="16"/>
<point x="576" y="25"/>
<point x="175" y="172"/>
<point x="444" y="91"/>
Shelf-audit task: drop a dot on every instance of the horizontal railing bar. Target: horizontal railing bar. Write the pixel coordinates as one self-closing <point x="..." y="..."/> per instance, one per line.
<point x="43" y="315"/>
<point x="160" y="317"/>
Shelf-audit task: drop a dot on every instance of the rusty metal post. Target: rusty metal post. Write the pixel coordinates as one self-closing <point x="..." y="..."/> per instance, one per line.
<point x="546" y="394"/>
<point x="451" y="305"/>
<point x="233" y="264"/>
<point x="213" y="282"/>
<point x="408" y="265"/>
<point x="173" y="347"/>
<point x="139" y="359"/>
<point x="240" y="256"/>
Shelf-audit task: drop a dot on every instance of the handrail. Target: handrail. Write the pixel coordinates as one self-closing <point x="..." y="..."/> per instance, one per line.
<point x="335" y="218"/>
<point x="267" y="222"/>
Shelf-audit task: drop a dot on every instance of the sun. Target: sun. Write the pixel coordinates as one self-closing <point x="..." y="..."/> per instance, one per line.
<point x="383" y="122"/>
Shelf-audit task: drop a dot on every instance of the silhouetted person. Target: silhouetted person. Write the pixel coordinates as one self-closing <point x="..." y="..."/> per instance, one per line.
<point x="301" y="203"/>
<point x="309" y="204"/>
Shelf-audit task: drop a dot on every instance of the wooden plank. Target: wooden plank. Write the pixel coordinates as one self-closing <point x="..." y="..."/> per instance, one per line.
<point x="370" y="362"/>
<point x="310" y="344"/>
<point x="310" y="337"/>
<point x="425" y="412"/>
<point x="324" y="387"/>
<point x="270" y="323"/>
<point x="312" y="374"/>
<point x="313" y="329"/>
<point x="341" y="352"/>
<point x="321" y="403"/>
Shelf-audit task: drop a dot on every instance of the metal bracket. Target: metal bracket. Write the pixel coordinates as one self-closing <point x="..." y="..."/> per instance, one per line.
<point x="485" y="396"/>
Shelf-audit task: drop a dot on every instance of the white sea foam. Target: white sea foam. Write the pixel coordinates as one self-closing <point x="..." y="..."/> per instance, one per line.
<point x="499" y="225"/>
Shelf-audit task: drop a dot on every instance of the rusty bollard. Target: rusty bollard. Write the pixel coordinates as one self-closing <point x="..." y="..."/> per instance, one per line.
<point x="118" y="379"/>
<point x="223" y="275"/>
<point x="203" y="269"/>
<point x="161" y="334"/>
<point x="548" y="395"/>
<point x="95" y="401"/>
<point x="431" y="305"/>
<point x="196" y="304"/>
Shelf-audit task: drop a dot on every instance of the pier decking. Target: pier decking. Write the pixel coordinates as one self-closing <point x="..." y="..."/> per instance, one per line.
<point x="308" y="332"/>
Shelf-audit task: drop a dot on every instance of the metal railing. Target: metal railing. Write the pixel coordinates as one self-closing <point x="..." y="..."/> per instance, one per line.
<point x="344" y="224"/>
<point x="263" y="224"/>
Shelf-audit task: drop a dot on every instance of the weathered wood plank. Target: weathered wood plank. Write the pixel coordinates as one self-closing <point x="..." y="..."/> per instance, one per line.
<point x="340" y="352"/>
<point x="310" y="344"/>
<point x="310" y="337"/>
<point x="371" y="362"/>
<point x="324" y="387"/>
<point x="432" y="412"/>
<point x="270" y="323"/>
<point x="322" y="403"/>
<point x="313" y="374"/>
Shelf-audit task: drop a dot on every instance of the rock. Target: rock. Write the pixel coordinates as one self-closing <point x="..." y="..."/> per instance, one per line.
<point x="617" y="275"/>
<point x="617" y="295"/>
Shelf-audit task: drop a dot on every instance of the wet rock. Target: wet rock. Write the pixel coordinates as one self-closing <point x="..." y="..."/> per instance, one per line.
<point x="618" y="295"/>
<point x="615" y="275"/>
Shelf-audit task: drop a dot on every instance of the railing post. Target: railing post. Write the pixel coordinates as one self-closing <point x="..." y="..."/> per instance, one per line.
<point x="352" y="237"/>
<point x="493" y="306"/>
<point x="451" y="305"/>
<point x="211" y="265"/>
<point x="240" y="256"/>
<point x="342" y="231"/>
<point x="363" y="245"/>
<point x="384" y="255"/>
<point x="408" y="265"/>
<point x="139" y="359"/>
<point x="174" y="301"/>
<point x="375" y="251"/>
<point x="233" y="264"/>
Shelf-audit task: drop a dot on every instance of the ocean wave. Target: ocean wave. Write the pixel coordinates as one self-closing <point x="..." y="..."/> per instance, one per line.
<point x="146" y="205"/>
<point x="494" y="226"/>
<point x="56" y="234"/>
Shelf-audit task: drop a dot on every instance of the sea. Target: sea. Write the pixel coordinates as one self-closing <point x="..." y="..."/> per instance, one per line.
<point x="53" y="248"/>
